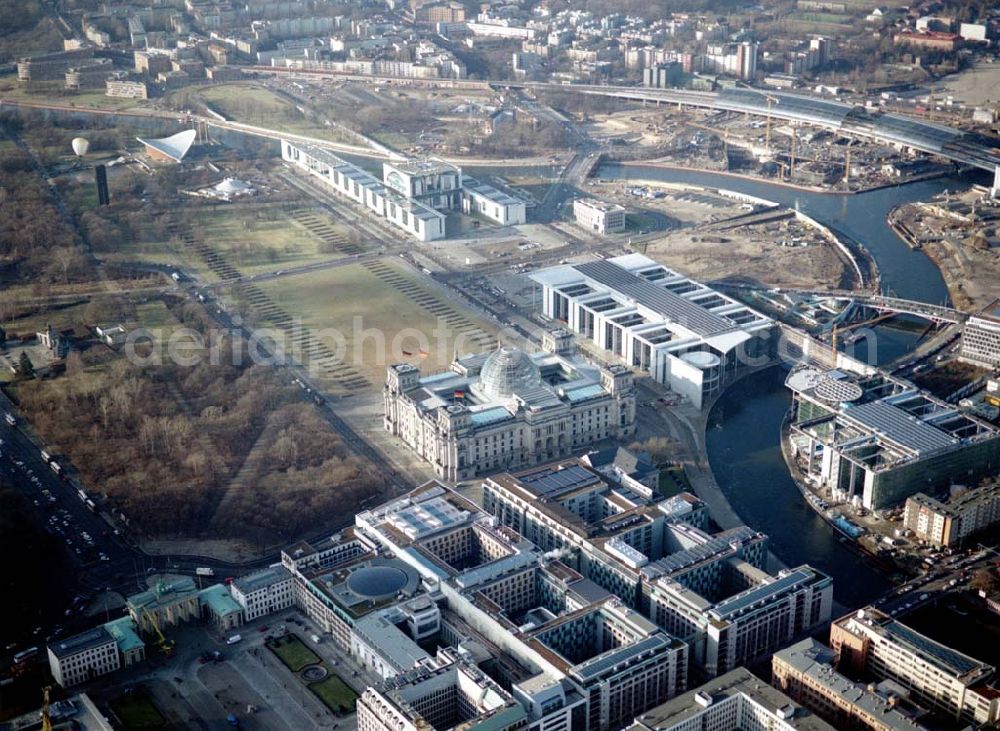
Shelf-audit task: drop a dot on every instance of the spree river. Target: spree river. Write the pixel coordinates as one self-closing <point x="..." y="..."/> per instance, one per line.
<point x="743" y="438"/>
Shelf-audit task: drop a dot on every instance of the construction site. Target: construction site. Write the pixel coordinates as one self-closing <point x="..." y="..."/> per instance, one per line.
<point x="960" y="232"/>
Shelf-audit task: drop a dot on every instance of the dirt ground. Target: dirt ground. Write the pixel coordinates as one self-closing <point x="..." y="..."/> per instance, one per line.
<point x="976" y="86"/>
<point x="221" y="549"/>
<point x="744" y="260"/>
<point x="747" y="255"/>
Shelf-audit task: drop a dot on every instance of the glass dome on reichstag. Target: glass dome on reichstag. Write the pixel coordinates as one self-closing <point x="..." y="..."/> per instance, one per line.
<point x="507" y="370"/>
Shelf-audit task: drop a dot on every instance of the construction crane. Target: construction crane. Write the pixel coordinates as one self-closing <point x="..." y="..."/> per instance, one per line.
<point x="166" y="646"/>
<point x="776" y="100"/>
<point x="46" y="718"/>
<point x="847" y="162"/>
<point x="791" y="161"/>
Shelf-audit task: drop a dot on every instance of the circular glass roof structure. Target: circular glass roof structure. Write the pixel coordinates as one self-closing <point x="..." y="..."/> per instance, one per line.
<point x="377" y="582"/>
<point x="838" y="391"/>
<point x="507" y="370"/>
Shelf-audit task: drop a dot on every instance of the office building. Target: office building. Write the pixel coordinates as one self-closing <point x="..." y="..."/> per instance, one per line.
<point x="385" y="642"/>
<point x="449" y="694"/>
<point x="508" y="408"/>
<point x="686" y="335"/>
<point x="85" y="656"/>
<point x="263" y="592"/>
<point x="708" y="590"/>
<point x="876" y="439"/>
<point x="131" y="648"/>
<point x="743" y="614"/>
<point x="736" y="700"/>
<point x="980" y="343"/>
<point x="949" y="523"/>
<point x="343" y="178"/>
<point x="487" y="201"/>
<point x="414" y="195"/>
<point x="573" y="655"/>
<point x="806" y="672"/>
<point x="599" y="216"/>
<point x="870" y="643"/>
<point x="101" y="183"/>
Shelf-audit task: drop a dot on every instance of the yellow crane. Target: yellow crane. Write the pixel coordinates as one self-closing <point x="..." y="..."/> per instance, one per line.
<point x="166" y="646"/>
<point x="46" y="718"/>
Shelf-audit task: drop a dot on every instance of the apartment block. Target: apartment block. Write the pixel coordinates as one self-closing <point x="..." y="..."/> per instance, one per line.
<point x="949" y="523"/>
<point x="873" y="644"/>
<point x="125" y="88"/>
<point x="806" y="672"/>
<point x="708" y="590"/>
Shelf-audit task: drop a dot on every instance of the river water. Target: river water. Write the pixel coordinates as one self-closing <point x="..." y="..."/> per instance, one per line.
<point x="743" y="438"/>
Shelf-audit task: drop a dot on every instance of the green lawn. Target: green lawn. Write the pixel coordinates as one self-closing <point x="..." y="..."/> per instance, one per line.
<point x="253" y="238"/>
<point x="335" y="694"/>
<point x="293" y="652"/>
<point x="136" y="711"/>
<point x="388" y="319"/>
<point x="673" y="481"/>
<point x="252" y="104"/>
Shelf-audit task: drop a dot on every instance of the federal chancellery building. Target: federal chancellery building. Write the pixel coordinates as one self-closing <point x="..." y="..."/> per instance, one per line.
<point x="685" y="334"/>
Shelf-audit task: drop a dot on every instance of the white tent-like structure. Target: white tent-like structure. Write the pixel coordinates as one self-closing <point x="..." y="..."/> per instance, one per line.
<point x="173" y="148"/>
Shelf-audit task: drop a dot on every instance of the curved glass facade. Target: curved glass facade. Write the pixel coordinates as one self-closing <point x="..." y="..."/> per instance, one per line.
<point x="506" y="370"/>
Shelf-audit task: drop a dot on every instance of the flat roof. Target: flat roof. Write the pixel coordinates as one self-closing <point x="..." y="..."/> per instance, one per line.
<point x="602" y="663"/>
<point x="735" y="684"/>
<point x="667" y="304"/>
<point x="422" y="167"/>
<point x="599" y="205"/>
<point x="82" y="642"/>
<point x="557" y="479"/>
<point x="955" y="662"/>
<point x="736" y="604"/>
<point x="261" y="579"/>
<point x="125" y="634"/>
<point x="815" y="661"/>
<point x="898" y="426"/>
<point x="218" y="600"/>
